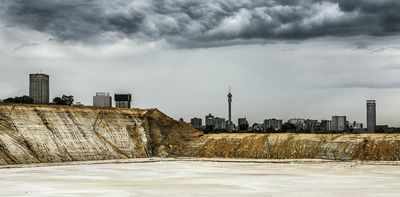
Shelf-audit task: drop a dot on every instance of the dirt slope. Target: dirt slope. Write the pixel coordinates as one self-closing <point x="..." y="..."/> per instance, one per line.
<point x="44" y="134"/>
<point x="39" y="134"/>
<point x="376" y="147"/>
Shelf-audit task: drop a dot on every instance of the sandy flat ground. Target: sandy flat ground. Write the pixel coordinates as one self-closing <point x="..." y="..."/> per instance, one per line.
<point x="203" y="178"/>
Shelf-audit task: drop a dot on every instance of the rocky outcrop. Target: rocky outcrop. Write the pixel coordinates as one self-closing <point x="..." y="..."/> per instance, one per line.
<point x="376" y="147"/>
<point x="42" y="134"/>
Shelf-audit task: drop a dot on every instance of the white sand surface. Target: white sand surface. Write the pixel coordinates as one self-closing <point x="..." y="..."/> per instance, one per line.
<point x="203" y="178"/>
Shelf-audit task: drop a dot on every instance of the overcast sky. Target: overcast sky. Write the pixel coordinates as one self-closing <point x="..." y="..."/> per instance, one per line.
<point x="282" y="58"/>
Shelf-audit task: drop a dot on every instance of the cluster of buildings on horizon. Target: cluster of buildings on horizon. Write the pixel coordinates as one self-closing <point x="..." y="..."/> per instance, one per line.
<point x="104" y="99"/>
<point x="39" y="91"/>
<point x="338" y="124"/>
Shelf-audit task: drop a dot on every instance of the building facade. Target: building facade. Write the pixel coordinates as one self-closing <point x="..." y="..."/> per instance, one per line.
<point x="356" y="125"/>
<point x="209" y="120"/>
<point x="274" y="124"/>
<point x="339" y="124"/>
<point x="381" y="128"/>
<point x="312" y="125"/>
<point x="220" y="124"/>
<point x="243" y="124"/>
<point x="102" y="99"/>
<point x="123" y="100"/>
<point x="326" y="125"/>
<point x="39" y="89"/>
<point x="298" y="122"/>
<point x="196" y="123"/>
<point x="371" y="116"/>
<point x="256" y="127"/>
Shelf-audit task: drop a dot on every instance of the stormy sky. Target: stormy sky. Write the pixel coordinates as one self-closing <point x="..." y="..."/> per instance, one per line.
<point x="282" y="58"/>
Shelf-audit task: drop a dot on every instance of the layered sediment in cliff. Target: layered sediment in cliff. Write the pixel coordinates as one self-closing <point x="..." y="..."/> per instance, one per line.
<point x="375" y="147"/>
<point x="43" y="134"/>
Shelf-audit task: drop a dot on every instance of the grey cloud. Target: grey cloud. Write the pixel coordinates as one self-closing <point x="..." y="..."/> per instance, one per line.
<point x="395" y="85"/>
<point x="372" y="50"/>
<point x="24" y="45"/>
<point x="361" y="85"/>
<point x="360" y="45"/>
<point x="203" y="23"/>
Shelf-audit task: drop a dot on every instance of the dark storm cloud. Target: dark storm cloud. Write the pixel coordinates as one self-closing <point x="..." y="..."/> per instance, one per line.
<point x="203" y="23"/>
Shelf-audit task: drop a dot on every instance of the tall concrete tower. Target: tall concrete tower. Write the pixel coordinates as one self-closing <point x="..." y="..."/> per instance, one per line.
<point x="39" y="88"/>
<point x="371" y="115"/>
<point x="230" y="111"/>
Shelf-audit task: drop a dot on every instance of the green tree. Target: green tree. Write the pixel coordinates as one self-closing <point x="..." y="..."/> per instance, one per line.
<point x="23" y="99"/>
<point x="58" y="101"/>
<point x="244" y="127"/>
<point x="19" y="99"/>
<point x="68" y="100"/>
<point x="9" y="100"/>
<point x="288" y="127"/>
<point x="64" y="100"/>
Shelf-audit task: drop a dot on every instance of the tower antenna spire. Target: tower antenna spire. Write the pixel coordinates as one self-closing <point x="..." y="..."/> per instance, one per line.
<point x="229" y="110"/>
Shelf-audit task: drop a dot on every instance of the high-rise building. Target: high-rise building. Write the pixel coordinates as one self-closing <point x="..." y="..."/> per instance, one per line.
<point x="123" y="100"/>
<point x="339" y="123"/>
<point x="210" y="122"/>
<point x="196" y="123"/>
<point x="381" y="128"/>
<point x="243" y="124"/>
<point x="273" y="123"/>
<point x="215" y="123"/>
<point x="326" y="125"/>
<point x="356" y="125"/>
<point x="257" y="127"/>
<point x="230" y="126"/>
<point x="298" y="122"/>
<point x="311" y="125"/>
<point x="371" y="115"/>
<point x="39" y="89"/>
<point x="220" y="124"/>
<point x="102" y="99"/>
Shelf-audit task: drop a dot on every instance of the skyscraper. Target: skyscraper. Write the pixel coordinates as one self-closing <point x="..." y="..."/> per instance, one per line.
<point x="102" y="99"/>
<point x="371" y="115"/>
<point x="272" y="124"/>
<point x="220" y="124"/>
<point x="39" y="89"/>
<point x="339" y="123"/>
<point x="123" y="100"/>
<point x="196" y="123"/>
<point x="210" y="122"/>
<point x="230" y="111"/>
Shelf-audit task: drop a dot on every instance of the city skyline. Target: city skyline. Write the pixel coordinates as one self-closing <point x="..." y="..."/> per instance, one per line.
<point x="301" y="61"/>
<point x="107" y="102"/>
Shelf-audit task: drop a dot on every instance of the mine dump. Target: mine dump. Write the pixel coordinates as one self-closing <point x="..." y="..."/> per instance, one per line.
<point x="203" y="178"/>
<point x="32" y="134"/>
<point x="108" y="151"/>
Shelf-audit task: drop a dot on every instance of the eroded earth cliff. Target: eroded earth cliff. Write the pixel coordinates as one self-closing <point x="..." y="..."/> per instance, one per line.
<point x="41" y="134"/>
<point x="372" y="147"/>
<point x="46" y="134"/>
